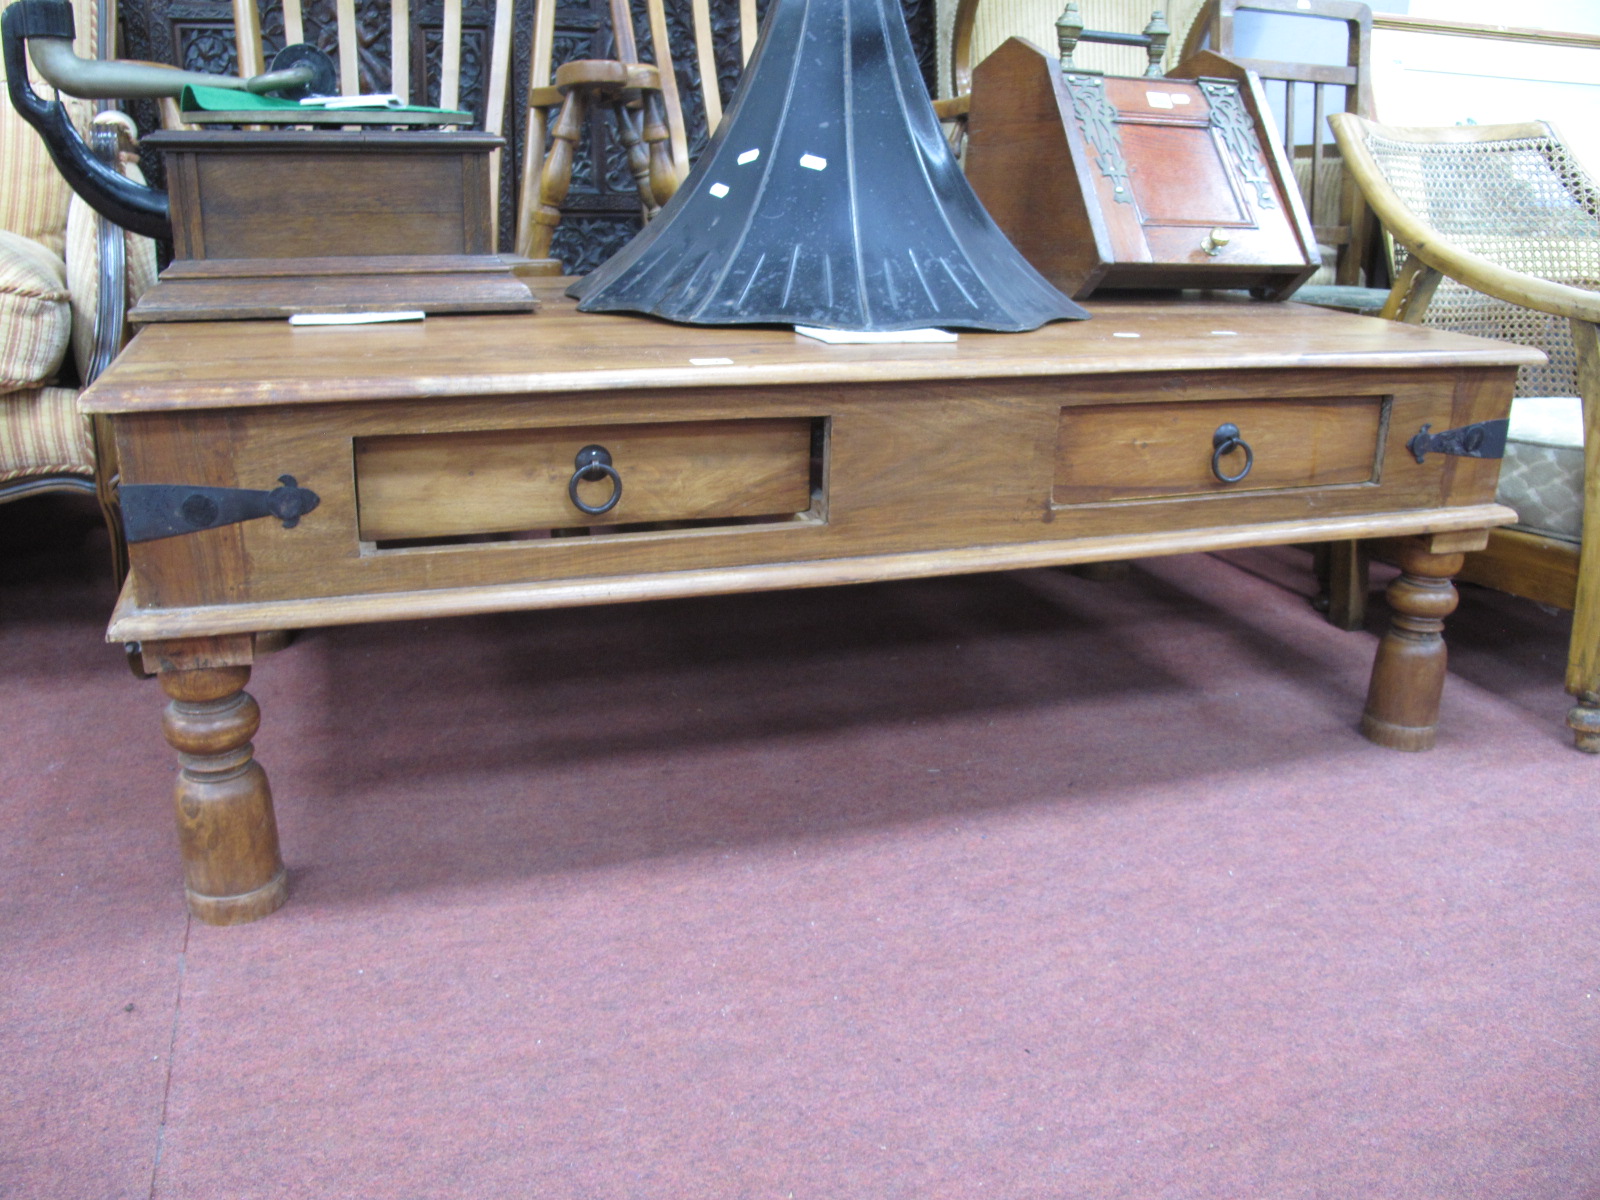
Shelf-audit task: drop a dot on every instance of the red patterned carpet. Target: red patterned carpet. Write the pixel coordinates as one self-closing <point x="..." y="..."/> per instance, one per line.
<point x="1017" y="885"/>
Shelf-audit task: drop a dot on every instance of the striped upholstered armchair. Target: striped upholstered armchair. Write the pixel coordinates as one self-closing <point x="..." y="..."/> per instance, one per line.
<point x="56" y="255"/>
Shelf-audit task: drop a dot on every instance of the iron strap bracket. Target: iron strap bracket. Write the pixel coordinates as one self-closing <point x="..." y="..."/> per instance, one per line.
<point x="1485" y="439"/>
<point x="162" y="510"/>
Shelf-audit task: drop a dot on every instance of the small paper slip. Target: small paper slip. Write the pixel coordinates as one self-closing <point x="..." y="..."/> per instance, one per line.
<point x="372" y="318"/>
<point x="379" y="101"/>
<point x="844" y="337"/>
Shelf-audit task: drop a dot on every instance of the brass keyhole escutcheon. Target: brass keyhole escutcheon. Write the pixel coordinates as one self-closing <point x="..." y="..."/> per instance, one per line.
<point x="1213" y="242"/>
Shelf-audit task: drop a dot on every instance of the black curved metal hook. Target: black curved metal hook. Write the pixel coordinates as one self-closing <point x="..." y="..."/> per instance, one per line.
<point x="135" y="206"/>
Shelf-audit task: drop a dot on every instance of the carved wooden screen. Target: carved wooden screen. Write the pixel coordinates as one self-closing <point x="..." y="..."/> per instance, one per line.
<point x="602" y="210"/>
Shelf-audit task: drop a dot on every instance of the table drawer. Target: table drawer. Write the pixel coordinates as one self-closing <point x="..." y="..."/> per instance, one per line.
<point x="1116" y="452"/>
<point x="457" y="485"/>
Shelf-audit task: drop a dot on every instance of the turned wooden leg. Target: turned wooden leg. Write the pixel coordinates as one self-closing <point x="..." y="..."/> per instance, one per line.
<point x="627" y="125"/>
<point x="1584" y="720"/>
<point x="1408" y="675"/>
<point x="664" y="177"/>
<point x="555" y="176"/>
<point x="226" y="828"/>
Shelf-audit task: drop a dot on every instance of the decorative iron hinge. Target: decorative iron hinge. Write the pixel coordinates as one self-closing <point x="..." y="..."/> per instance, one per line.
<point x="1486" y="439"/>
<point x="163" y="510"/>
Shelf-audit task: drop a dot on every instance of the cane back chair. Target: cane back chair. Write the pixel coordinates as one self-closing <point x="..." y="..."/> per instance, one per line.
<point x="1497" y="231"/>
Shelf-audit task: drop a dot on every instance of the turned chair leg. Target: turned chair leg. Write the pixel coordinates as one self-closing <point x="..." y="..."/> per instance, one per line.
<point x="664" y="174"/>
<point x="555" y="176"/>
<point x="628" y="123"/>
<point x="1584" y="720"/>
<point x="1583" y="660"/>
<point x="1349" y="577"/>
<point x="1583" y="655"/>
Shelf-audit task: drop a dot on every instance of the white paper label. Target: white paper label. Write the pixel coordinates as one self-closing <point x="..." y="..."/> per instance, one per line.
<point x="845" y="337"/>
<point x="371" y="318"/>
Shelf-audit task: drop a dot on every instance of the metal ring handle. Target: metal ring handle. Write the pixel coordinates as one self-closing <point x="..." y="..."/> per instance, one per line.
<point x="593" y="464"/>
<point x="1225" y="441"/>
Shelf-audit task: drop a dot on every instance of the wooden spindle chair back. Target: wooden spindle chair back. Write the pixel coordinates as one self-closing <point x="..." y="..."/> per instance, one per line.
<point x="253" y="58"/>
<point x="978" y="27"/>
<point x="1338" y="216"/>
<point x="640" y="87"/>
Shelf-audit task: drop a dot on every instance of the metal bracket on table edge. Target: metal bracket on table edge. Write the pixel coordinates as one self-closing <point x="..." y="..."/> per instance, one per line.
<point x="1485" y="439"/>
<point x="163" y="510"/>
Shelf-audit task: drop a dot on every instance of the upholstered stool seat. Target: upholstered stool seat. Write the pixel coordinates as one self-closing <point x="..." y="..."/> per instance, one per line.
<point x="1542" y="474"/>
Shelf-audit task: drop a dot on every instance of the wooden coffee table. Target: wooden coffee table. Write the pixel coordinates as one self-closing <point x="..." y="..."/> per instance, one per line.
<point x="446" y="462"/>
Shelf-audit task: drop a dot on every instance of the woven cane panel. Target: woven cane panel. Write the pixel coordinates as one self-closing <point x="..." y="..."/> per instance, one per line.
<point x="1526" y="205"/>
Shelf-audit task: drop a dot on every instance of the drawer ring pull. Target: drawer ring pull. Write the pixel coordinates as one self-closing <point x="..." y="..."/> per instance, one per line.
<point x="593" y="464"/>
<point x="1225" y="441"/>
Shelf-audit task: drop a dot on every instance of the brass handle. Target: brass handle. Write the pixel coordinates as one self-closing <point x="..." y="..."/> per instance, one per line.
<point x="1213" y="242"/>
<point x="1225" y="441"/>
<point x="593" y="464"/>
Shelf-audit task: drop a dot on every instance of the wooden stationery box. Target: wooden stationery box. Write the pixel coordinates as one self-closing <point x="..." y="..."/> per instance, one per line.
<point x="266" y="223"/>
<point x="1106" y="182"/>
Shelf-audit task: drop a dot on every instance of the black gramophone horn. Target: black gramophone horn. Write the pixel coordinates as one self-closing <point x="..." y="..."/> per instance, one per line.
<point x="828" y="197"/>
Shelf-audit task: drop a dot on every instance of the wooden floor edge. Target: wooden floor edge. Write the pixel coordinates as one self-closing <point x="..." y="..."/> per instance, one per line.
<point x="129" y="623"/>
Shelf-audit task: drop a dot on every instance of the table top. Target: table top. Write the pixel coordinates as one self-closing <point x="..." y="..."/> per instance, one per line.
<point x="232" y="364"/>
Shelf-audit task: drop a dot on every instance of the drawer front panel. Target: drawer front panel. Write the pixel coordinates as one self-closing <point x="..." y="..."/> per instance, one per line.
<point x="414" y="494"/>
<point x="1148" y="451"/>
<point x="496" y="481"/>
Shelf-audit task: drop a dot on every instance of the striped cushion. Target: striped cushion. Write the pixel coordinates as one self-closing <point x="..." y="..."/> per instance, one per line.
<point x="35" y="312"/>
<point x="41" y="430"/>
<point x="33" y="195"/>
<point x="42" y="433"/>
